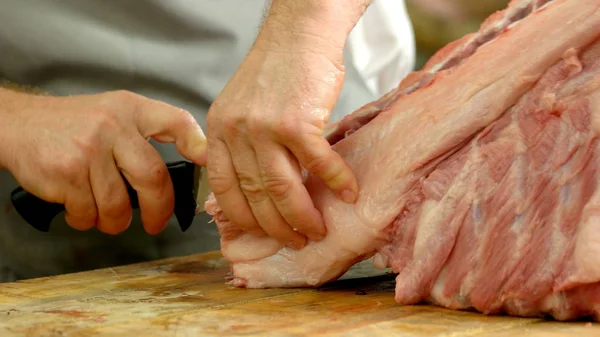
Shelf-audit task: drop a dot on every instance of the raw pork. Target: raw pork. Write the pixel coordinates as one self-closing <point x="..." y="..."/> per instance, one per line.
<point x="478" y="176"/>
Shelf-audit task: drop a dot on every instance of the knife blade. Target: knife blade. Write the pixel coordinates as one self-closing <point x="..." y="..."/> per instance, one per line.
<point x="201" y="187"/>
<point x="190" y="184"/>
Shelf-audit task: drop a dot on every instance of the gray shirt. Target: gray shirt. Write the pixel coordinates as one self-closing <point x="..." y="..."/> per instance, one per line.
<point x="180" y="51"/>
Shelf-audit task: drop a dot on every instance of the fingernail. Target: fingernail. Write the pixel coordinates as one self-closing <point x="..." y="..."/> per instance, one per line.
<point x="317" y="237"/>
<point x="348" y="196"/>
<point x="297" y="244"/>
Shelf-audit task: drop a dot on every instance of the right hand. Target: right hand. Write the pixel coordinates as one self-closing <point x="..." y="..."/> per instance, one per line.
<point x="71" y="150"/>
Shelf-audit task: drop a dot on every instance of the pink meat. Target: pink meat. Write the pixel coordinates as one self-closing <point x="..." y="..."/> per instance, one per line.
<point x="478" y="176"/>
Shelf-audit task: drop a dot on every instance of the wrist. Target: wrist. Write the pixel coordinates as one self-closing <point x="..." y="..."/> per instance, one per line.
<point x="320" y="26"/>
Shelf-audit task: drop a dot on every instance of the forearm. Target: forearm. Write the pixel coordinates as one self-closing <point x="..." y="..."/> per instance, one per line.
<point x="321" y="25"/>
<point x="13" y="99"/>
<point x="6" y="98"/>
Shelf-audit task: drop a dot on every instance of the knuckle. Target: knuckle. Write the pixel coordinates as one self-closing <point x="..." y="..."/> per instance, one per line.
<point x="118" y="99"/>
<point x="276" y="186"/>
<point x="88" y="143"/>
<point x="157" y="171"/>
<point x="115" y="212"/>
<point x="253" y="190"/>
<point x="124" y="96"/>
<point x="115" y="206"/>
<point x="183" y="119"/>
<point x="320" y="166"/>
<point x="101" y="121"/>
<point x="69" y="166"/>
<point x="103" y="118"/>
<point x="287" y="128"/>
<point x="233" y="125"/>
<point x="156" y="176"/>
<point x="257" y="124"/>
<point x="186" y="117"/>
<point x="297" y="129"/>
<point x="219" y="184"/>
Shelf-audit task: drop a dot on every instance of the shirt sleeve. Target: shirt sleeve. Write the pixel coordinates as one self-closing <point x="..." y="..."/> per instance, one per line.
<point x="382" y="46"/>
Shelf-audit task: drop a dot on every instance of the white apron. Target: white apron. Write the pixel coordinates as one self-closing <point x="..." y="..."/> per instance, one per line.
<point x="179" y="51"/>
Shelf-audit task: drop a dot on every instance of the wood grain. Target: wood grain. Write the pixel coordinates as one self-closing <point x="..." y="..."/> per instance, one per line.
<point x="187" y="296"/>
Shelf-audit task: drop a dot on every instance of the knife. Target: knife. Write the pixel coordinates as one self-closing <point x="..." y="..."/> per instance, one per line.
<point x="190" y="184"/>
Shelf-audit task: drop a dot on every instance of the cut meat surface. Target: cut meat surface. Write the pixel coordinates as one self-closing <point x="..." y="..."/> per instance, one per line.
<point x="478" y="176"/>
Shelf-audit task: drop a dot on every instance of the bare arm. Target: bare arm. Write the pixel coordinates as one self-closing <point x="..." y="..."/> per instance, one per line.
<point x="10" y="96"/>
<point x="7" y="100"/>
<point x="304" y="23"/>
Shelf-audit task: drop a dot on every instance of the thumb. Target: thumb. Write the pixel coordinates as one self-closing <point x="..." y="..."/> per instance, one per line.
<point x="168" y="124"/>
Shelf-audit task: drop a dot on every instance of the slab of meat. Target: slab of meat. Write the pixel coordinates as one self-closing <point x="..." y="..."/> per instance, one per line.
<point x="478" y="176"/>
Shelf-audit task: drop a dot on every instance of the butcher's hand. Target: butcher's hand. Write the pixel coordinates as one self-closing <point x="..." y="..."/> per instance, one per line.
<point x="71" y="150"/>
<point x="267" y="123"/>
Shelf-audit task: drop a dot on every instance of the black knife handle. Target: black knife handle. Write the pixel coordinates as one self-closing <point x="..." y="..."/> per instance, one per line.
<point x="40" y="213"/>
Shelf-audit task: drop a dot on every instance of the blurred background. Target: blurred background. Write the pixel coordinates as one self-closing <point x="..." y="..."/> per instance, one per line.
<point x="437" y="22"/>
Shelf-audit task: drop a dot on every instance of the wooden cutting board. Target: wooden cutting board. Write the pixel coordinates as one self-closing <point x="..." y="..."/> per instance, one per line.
<point x="187" y="296"/>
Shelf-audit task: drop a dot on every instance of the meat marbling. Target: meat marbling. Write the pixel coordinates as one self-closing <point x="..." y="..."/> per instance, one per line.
<point x="478" y="176"/>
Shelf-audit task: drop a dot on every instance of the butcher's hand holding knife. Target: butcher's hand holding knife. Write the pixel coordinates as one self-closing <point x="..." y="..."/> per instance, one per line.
<point x="76" y="150"/>
<point x="265" y="125"/>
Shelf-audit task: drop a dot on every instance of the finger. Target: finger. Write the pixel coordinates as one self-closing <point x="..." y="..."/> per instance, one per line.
<point x="169" y="124"/>
<point x="283" y="182"/>
<point x="225" y="186"/>
<point x="147" y="173"/>
<point x="110" y="193"/>
<point x="81" y="212"/>
<point x="263" y="207"/>
<point x="316" y="155"/>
